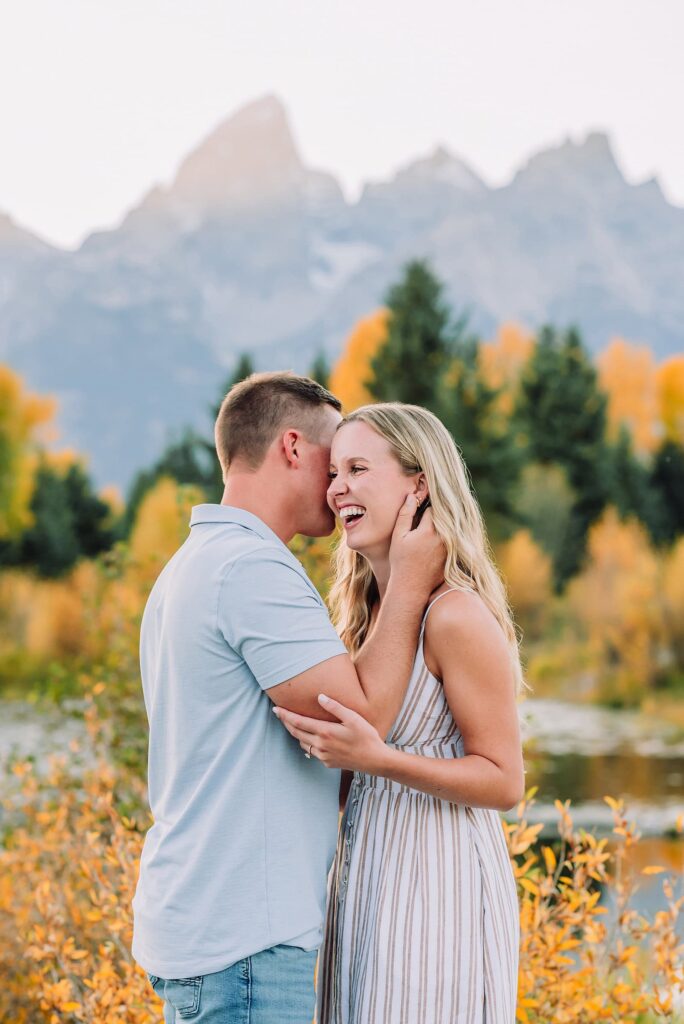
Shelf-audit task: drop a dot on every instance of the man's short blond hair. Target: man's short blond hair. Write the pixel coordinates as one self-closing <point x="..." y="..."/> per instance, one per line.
<point x="255" y="411"/>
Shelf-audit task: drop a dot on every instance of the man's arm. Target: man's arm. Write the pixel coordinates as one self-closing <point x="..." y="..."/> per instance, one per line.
<point x="375" y="683"/>
<point x="473" y="661"/>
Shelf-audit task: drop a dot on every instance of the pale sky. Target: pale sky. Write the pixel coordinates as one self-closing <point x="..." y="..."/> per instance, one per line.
<point x="100" y="99"/>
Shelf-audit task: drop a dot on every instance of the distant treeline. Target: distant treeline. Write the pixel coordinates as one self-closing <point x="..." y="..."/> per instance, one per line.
<point x="550" y="438"/>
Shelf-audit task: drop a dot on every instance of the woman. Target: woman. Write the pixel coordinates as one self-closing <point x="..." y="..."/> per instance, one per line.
<point x="422" y="923"/>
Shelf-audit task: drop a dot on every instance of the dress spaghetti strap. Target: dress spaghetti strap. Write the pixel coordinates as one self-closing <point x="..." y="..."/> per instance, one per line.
<point x="443" y="594"/>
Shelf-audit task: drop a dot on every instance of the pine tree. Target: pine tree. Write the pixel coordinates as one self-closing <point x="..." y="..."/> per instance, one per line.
<point x="320" y="370"/>
<point x="667" y="482"/>
<point x="50" y="545"/>
<point x="470" y="409"/>
<point x="629" y="485"/>
<point x="409" y="366"/>
<point x="189" y="460"/>
<point x="69" y="522"/>
<point x="90" y="515"/>
<point x="561" y="416"/>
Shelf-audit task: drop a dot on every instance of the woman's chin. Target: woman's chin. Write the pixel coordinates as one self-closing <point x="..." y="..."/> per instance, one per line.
<point x="354" y="542"/>
<point x="366" y="545"/>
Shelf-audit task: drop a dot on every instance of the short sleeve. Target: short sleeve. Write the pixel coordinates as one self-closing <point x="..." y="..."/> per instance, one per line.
<point x="273" y="618"/>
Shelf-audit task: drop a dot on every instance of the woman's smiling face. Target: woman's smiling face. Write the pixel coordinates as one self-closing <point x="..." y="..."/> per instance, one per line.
<point x="367" y="487"/>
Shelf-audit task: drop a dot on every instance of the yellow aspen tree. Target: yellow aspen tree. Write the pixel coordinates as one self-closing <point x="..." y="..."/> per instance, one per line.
<point x="617" y="603"/>
<point x="352" y="371"/>
<point x="502" y="360"/>
<point x="162" y="523"/>
<point x="673" y="596"/>
<point x="670" y="381"/>
<point x="627" y="375"/>
<point x="22" y="414"/>
<point x="528" y="572"/>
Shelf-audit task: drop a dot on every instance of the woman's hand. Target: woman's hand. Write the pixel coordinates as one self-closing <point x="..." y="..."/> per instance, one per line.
<point x="352" y="744"/>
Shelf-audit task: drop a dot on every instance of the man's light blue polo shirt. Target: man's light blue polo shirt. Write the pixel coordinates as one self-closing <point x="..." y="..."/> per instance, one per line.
<point x="244" y="825"/>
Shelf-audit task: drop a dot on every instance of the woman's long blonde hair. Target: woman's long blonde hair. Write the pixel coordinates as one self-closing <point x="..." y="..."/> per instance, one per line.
<point x="422" y="444"/>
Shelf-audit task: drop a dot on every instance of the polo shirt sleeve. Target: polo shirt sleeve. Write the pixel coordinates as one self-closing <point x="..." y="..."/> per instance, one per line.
<point x="274" y="619"/>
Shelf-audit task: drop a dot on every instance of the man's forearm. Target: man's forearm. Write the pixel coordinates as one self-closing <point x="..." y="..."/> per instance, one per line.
<point x="385" y="661"/>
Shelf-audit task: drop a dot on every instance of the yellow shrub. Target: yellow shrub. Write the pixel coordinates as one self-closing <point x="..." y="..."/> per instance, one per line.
<point x="528" y="573"/>
<point x="503" y="360"/>
<point x="353" y="369"/>
<point x="673" y="597"/>
<point x="69" y="867"/>
<point x="162" y="523"/>
<point x="617" y="603"/>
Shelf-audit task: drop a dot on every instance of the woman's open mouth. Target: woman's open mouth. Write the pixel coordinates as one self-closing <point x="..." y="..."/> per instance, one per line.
<point x="351" y="515"/>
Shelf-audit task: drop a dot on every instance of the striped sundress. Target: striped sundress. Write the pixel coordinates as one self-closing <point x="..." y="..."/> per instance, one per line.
<point x="422" y="924"/>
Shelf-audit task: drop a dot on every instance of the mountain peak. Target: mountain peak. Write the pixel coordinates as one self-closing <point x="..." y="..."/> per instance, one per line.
<point x="13" y="235"/>
<point x="442" y="167"/>
<point x="590" y="160"/>
<point x="249" y="157"/>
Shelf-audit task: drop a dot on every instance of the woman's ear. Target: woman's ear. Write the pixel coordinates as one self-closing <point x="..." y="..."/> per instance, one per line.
<point x="421" y="491"/>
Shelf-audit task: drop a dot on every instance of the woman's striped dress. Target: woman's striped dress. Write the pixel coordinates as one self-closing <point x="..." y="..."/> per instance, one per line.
<point x="422" y="923"/>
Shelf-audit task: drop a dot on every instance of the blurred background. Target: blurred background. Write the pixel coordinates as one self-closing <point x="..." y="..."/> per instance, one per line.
<point x="476" y="209"/>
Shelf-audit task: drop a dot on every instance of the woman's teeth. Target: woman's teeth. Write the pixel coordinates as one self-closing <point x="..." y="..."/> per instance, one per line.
<point x="351" y="514"/>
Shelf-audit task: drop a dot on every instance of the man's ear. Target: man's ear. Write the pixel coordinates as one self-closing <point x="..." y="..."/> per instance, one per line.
<point x="291" y="447"/>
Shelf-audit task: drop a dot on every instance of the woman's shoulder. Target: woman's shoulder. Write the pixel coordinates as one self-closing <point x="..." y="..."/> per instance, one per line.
<point x="460" y="615"/>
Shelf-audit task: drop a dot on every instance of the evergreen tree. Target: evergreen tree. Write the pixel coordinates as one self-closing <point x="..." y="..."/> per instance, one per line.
<point x="667" y="482"/>
<point x="320" y="370"/>
<point x="91" y="516"/>
<point x="629" y="485"/>
<point x="429" y="360"/>
<point x="561" y="416"/>
<point x="188" y="461"/>
<point x="69" y="522"/>
<point x="409" y="366"/>
<point x="467" y="406"/>
<point x="50" y="545"/>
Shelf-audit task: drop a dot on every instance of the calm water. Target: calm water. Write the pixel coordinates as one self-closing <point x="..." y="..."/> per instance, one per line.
<point x="585" y="753"/>
<point x="571" y="751"/>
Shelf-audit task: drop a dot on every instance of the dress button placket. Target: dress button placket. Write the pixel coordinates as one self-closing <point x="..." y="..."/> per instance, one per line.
<point x="348" y="834"/>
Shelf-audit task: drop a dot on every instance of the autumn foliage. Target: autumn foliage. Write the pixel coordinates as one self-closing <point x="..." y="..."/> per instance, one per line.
<point x="22" y="416"/>
<point x="73" y="834"/>
<point x="69" y="868"/>
<point x="352" y="371"/>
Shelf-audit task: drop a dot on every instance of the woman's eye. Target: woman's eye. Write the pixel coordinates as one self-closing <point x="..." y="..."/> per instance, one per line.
<point x="331" y="475"/>
<point x="356" y="469"/>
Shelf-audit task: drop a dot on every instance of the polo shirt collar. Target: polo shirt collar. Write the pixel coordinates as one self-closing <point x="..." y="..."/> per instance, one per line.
<point x="211" y="513"/>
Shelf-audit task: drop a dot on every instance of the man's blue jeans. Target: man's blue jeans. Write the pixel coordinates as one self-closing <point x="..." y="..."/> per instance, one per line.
<point x="275" y="986"/>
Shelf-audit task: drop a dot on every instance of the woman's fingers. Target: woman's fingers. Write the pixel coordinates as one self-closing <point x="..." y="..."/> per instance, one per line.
<point x="300" y="734"/>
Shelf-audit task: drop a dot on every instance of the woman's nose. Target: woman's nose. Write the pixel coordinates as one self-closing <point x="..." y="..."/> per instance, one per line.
<point x="337" y="486"/>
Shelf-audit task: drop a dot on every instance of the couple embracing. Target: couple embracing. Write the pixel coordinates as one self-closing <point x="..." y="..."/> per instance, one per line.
<point x="255" y="702"/>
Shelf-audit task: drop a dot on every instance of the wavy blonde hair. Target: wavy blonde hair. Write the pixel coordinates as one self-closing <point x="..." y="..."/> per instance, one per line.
<point x="422" y="444"/>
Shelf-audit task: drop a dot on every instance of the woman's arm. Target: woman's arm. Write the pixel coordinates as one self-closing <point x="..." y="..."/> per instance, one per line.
<point x="464" y="646"/>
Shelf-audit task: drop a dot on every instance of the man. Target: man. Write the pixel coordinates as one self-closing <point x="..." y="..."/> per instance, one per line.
<point x="231" y="896"/>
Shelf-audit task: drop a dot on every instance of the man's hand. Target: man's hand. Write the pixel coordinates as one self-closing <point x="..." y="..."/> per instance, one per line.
<point x="416" y="556"/>
<point x="353" y="743"/>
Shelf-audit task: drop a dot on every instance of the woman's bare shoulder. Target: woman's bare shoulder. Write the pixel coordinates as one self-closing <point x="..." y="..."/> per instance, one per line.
<point x="461" y="619"/>
<point x="459" y="609"/>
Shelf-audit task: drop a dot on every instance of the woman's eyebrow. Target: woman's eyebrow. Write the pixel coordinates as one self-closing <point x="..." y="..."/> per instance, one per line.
<point x="355" y="458"/>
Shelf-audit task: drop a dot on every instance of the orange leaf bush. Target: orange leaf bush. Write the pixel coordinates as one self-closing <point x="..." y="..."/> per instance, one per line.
<point x="69" y="866"/>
